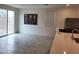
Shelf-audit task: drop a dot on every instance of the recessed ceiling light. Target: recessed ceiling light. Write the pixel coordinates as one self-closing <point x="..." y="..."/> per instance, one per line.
<point x="67" y="5"/>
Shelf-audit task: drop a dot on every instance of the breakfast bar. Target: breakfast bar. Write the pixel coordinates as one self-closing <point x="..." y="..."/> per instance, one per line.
<point x="63" y="43"/>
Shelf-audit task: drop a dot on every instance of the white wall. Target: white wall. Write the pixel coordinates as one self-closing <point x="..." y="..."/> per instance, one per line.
<point x="63" y="13"/>
<point x="45" y="22"/>
<point x="48" y="20"/>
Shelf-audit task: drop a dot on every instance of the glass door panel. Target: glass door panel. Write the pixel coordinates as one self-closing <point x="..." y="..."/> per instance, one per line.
<point x="10" y="22"/>
<point x="3" y="22"/>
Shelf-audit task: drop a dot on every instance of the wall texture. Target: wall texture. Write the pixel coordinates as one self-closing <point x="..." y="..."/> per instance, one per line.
<point x="45" y="25"/>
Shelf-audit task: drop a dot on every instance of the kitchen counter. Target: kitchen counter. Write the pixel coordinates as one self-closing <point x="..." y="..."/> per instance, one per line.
<point x="63" y="43"/>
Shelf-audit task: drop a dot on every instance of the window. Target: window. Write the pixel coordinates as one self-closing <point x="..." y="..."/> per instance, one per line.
<point x="10" y="22"/>
<point x="6" y="22"/>
<point x="3" y="22"/>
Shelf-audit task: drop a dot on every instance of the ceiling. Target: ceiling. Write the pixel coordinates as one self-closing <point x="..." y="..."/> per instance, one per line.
<point x="41" y="5"/>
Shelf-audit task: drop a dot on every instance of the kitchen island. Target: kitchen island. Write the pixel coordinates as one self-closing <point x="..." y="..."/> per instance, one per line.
<point x="63" y="43"/>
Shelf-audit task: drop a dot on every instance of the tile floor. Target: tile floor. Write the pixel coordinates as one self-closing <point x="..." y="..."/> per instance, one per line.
<point x="25" y="44"/>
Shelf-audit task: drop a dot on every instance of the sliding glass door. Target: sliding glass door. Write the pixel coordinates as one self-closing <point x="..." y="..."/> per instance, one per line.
<point x="3" y="22"/>
<point x="6" y="22"/>
<point x="10" y="21"/>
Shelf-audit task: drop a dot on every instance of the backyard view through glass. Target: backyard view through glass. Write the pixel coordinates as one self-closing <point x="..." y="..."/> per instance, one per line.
<point x="3" y="22"/>
<point x="6" y="22"/>
<point x="10" y="22"/>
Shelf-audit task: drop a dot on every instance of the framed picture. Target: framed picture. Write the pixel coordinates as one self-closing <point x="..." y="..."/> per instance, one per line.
<point x="30" y="19"/>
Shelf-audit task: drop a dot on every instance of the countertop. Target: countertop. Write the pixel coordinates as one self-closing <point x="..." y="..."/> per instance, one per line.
<point x="63" y="43"/>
